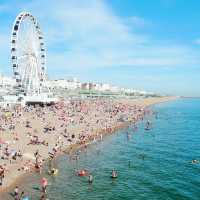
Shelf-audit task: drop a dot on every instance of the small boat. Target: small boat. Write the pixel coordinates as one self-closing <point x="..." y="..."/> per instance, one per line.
<point x="82" y="173"/>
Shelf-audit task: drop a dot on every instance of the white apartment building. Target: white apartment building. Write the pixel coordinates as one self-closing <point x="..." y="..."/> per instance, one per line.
<point x="70" y="84"/>
<point x="7" y="82"/>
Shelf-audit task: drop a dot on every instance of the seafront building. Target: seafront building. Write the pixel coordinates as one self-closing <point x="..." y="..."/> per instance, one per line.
<point x="30" y="83"/>
<point x="6" y="82"/>
<point x="71" y="85"/>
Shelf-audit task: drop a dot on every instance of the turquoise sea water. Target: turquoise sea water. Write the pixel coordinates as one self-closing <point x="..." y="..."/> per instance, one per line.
<point x="153" y="164"/>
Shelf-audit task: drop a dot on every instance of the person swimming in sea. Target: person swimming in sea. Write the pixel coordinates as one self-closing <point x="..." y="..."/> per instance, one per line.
<point x="128" y="136"/>
<point x="195" y="161"/>
<point x="90" y="179"/>
<point x="98" y="151"/>
<point x="44" y="183"/>
<point x="142" y="156"/>
<point x="23" y="196"/>
<point x="129" y="164"/>
<point x="82" y="172"/>
<point x="114" y="174"/>
<point x="53" y="171"/>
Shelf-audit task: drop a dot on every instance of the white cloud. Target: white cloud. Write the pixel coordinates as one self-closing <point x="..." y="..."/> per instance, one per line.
<point x="4" y="39"/>
<point x="88" y="34"/>
<point x="168" y="3"/>
<point x="197" y="41"/>
<point x="4" y="8"/>
<point x="139" y="22"/>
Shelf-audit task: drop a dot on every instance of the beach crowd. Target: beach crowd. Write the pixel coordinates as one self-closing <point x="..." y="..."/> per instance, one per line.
<point x="32" y="134"/>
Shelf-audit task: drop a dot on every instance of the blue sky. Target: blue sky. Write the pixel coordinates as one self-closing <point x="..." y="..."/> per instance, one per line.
<point x="151" y="45"/>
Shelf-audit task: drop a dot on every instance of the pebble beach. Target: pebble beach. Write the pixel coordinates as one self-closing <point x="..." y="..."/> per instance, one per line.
<point x="56" y="129"/>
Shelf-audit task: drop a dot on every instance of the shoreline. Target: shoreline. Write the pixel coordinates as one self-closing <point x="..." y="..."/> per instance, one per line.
<point x="70" y="149"/>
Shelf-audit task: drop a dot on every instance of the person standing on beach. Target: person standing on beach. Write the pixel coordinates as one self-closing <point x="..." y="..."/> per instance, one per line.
<point x="16" y="193"/>
<point x="37" y="161"/>
<point x="2" y="173"/>
<point x="37" y="156"/>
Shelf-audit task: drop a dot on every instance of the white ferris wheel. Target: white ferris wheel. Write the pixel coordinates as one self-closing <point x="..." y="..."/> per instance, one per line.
<point x="28" y="55"/>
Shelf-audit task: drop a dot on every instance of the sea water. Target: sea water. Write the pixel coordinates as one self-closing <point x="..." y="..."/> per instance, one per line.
<point x="154" y="164"/>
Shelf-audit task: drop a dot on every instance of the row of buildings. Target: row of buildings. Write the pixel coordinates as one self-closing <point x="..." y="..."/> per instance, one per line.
<point x="74" y="84"/>
<point x="7" y="83"/>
